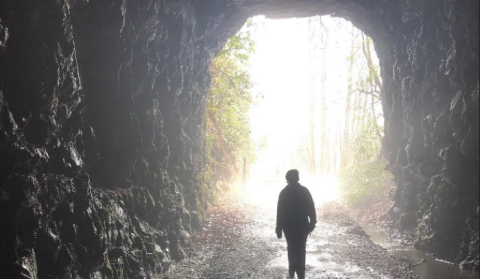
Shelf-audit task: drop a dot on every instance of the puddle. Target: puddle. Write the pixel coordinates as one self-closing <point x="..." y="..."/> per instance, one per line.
<point x="322" y="264"/>
<point x="431" y="269"/>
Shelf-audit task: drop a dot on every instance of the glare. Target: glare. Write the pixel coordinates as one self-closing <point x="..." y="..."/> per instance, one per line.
<point x="301" y="88"/>
<point x="324" y="189"/>
<point x="265" y="193"/>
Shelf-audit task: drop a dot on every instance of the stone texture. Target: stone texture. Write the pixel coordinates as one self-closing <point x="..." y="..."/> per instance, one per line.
<point x="98" y="163"/>
<point x="101" y="125"/>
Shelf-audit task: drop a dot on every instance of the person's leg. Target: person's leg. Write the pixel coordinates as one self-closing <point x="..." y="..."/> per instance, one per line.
<point x="296" y="242"/>
<point x="301" y="256"/>
<point x="291" y="262"/>
<point x="291" y="255"/>
<point x="296" y="251"/>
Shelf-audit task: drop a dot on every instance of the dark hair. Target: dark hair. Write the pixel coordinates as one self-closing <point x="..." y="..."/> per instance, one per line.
<point x="292" y="176"/>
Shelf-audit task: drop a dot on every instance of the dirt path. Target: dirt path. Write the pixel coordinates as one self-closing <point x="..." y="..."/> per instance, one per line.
<point x="239" y="242"/>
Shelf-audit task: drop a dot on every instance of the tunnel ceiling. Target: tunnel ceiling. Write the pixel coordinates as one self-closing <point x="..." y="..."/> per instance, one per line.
<point x="376" y="18"/>
<point x="101" y="116"/>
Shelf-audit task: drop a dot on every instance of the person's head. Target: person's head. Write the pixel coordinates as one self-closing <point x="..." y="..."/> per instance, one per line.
<point x="292" y="176"/>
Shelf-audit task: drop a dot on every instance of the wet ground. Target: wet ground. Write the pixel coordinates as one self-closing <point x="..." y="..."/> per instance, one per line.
<point x="239" y="242"/>
<point x="425" y="266"/>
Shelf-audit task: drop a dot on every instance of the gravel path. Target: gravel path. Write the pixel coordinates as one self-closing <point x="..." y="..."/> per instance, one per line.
<point x="239" y="242"/>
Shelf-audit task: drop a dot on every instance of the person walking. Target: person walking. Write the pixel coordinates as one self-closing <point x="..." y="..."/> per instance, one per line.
<point x="296" y="217"/>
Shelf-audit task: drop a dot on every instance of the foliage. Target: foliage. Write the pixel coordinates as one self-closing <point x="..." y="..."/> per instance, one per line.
<point x="362" y="184"/>
<point x="364" y="179"/>
<point x="228" y="141"/>
<point x="366" y="145"/>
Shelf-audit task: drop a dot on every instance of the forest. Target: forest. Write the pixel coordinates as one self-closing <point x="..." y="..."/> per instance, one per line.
<point x="342" y="114"/>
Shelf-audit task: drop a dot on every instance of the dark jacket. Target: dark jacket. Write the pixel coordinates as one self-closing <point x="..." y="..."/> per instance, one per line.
<point x="295" y="207"/>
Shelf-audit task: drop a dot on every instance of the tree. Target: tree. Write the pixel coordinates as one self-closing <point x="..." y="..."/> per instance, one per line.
<point x="228" y="142"/>
<point x="364" y="177"/>
<point x="315" y="153"/>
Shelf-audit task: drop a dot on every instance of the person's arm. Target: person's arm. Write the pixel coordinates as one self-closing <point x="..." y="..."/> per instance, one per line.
<point x="312" y="213"/>
<point x="279" y="227"/>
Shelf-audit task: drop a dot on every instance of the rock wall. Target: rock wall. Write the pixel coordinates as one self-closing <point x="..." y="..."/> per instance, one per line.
<point x="101" y="125"/>
<point x="101" y="106"/>
<point x="433" y="136"/>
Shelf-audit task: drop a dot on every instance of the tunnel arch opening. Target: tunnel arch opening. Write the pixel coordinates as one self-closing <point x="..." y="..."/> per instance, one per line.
<point x="320" y="91"/>
<point x="377" y="23"/>
<point x="413" y="73"/>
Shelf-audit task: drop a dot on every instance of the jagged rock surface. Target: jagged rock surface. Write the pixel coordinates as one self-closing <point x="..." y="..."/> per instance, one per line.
<point x="101" y="125"/>
<point x="100" y="137"/>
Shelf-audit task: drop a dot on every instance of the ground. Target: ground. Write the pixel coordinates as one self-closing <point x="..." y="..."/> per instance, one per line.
<point x="239" y="242"/>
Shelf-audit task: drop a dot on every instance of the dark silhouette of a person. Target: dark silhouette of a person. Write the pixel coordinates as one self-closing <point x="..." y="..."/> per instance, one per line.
<point x="296" y="217"/>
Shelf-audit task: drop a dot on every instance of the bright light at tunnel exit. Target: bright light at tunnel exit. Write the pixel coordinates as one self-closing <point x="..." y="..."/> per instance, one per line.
<point x="324" y="189"/>
<point x="301" y="87"/>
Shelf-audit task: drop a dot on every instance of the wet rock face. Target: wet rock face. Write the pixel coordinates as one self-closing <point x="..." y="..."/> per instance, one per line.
<point x="432" y="139"/>
<point x="101" y="116"/>
<point x="101" y="106"/>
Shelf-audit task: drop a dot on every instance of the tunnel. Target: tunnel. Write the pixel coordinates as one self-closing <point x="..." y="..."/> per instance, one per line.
<point x="101" y="125"/>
